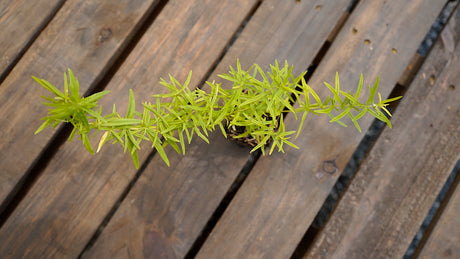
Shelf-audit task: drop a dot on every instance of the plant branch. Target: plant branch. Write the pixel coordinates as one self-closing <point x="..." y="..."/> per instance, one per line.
<point x="255" y="103"/>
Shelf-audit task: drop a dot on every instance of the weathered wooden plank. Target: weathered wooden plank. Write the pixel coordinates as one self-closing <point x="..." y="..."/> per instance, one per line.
<point x="398" y="182"/>
<point x="168" y="207"/>
<point x="283" y="193"/>
<point x="76" y="191"/>
<point x="86" y="36"/>
<point x="20" y="22"/>
<point x="444" y="241"/>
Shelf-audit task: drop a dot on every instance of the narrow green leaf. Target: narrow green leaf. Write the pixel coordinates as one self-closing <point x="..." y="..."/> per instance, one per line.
<point x="118" y="138"/>
<point x="360" y="86"/>
<point x="338" y="121"/>
<point x="95" y="97"/>
<point x="290" y="144"/>
<point x="66" y="85"/>
<point x="222" y="129"/>
<point x="86" y="143"/>
<point x="182" y="141"/>
<point x="341" y="115"/>
<point x="385" y="109"/>
<point x="43" y="126"/>
<point x="187" y="81"/>
<point x="361" y="113"/>
<point x="350" y="97"/>
<point x="131" y="105"/>
<point x="174" y="146"/>
<point x="198" y="132"/>
<point x="94" y="114"/>
<point x="121" y="122"/>
<point x="135" y="159"/>
<point x="146" y="117"/>
<point x="170" y="138"/>
<point x="355" y="122"/>
<point x="159" y="148"/>
<point x="391" y="99"/>
<point x="49" y="87"/>
<point x="74" y="86"/>
<point x="304" y="115"/>
<point x="132" y="139"/>
<point x="379" y="115"/>
<point x="72" y="134"/>
<point x="373" y="91"/>
<point x="313" y="93"/>
<point x="335" y="93"/>
<point x="275" y="144"/>
<point x="337" y="83"/>
<point x="261" y="144"/>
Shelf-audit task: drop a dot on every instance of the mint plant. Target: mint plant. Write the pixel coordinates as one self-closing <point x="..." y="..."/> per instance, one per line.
<point x="251" y="112"/>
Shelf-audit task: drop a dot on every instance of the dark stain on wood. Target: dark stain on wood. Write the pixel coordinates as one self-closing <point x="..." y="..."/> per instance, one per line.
<point x="156" y="245"/>
<point x="104" y="35"/>
<point x="330" y="167"/>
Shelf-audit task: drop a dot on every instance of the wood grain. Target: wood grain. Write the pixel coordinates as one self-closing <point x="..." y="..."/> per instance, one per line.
<point x="445" y="239"/>
<point x="283" y="193"/>
<point x="20" y="22"/>
<point x="85" y="36"/>
<point x="170" y="206"/>
<point x="77" y="190"/>
<point x="400" y="179"/>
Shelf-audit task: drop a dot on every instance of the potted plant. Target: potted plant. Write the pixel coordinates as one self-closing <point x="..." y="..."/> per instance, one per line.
<point x="252" y="112"/>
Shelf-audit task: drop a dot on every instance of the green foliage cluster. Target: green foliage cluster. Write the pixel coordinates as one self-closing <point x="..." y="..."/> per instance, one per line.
<point x="257" y="102"/>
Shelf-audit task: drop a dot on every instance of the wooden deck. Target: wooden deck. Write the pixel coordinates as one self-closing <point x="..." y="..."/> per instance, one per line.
<point x="218" y="200"/>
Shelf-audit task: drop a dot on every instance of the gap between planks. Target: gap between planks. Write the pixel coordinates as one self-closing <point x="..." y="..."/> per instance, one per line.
<point x="434" y="223"/>
<point x="367" y="143"/>
<point x="439" y="61"/>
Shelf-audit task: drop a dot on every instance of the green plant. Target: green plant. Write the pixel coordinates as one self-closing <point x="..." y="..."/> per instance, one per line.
<point x="254" y="108"/>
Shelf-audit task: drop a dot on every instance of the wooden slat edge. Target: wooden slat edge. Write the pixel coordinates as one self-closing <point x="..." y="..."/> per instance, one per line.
<point x="444" y="240"/>
<point x="399" y="180"/>
<point x="283" y="193"/>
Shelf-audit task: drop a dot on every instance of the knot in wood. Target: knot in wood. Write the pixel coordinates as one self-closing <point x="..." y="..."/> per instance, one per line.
<point x="329" y="167"/>
<point x="105" y="34"/>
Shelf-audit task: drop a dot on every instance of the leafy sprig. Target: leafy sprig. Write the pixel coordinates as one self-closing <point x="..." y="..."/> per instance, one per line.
<point x="71" y="107"/>
<point x="257" y="103"/>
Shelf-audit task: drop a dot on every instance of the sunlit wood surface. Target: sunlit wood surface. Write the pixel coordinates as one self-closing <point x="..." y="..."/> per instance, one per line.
<point x="218" y="200"/>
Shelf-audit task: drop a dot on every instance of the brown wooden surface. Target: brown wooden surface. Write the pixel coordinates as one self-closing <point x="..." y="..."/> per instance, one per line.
<point x="170" y="206"/>
<point x="72" y="40"/>
<point x="161" y="212"/>
<point x="20" y="21"/>
<point x="400" y="179"/>
<point x="283" y="193"/>
<point x="445" y="239"/>
<point x="77" y="190"/>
